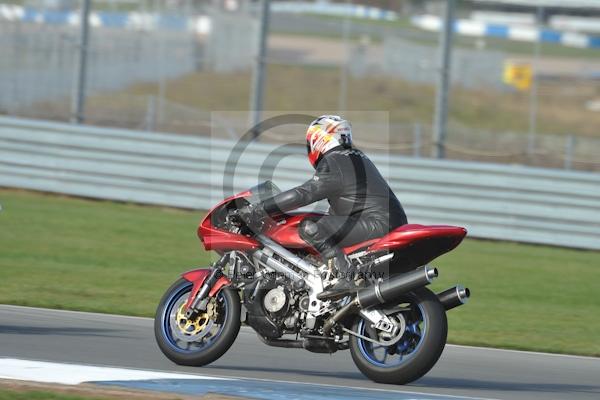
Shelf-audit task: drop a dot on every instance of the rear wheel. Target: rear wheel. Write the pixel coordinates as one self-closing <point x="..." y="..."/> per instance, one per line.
<point x="201" y="340"/>
<point x="419" y="346"/>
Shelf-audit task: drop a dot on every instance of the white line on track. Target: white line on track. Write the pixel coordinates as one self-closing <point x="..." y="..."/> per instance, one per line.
<point x="73" y="374"/>
<point x="247" y="330"/>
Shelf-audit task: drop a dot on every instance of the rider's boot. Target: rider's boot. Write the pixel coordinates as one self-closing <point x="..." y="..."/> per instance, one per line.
<point x="345" y="284"/>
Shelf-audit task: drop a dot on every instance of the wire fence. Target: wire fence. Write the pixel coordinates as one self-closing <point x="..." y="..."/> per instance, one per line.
<point x="38" y="62"/>
<point x="171" y="80"/>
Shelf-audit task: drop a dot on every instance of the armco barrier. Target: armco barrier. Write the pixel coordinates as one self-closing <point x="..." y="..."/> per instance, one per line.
<point x="493" y="201"/>
<point x="518" y="32"/>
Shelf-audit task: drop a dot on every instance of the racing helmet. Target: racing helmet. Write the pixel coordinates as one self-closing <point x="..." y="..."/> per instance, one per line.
<point x="326" y="133"/>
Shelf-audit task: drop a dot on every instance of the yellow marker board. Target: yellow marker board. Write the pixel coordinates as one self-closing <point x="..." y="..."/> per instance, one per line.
<point x="518" y="75"/>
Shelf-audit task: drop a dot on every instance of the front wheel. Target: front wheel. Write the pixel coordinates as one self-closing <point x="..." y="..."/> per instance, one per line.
<point x="418" y="347"/>
<point x="204" y="339"/>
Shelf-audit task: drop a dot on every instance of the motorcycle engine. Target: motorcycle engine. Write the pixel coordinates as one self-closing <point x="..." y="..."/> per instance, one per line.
<point x="276" y="301"/>
<point x="272" y="311"/>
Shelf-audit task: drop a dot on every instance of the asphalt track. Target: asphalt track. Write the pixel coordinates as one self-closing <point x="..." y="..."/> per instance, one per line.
<point x="98" y="339"/>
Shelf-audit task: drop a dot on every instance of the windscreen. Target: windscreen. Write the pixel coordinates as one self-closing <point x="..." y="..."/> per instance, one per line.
<point x="263" y="191"/>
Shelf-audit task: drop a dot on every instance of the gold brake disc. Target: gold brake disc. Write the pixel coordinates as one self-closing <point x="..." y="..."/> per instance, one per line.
<point x="196" y="325"/>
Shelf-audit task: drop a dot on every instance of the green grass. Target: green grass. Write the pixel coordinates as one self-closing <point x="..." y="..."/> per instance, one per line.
<point x="90" y="255"/>
<point x="18" y="390"/>
<point x="119" y="258"/>
<point x="42" y="395"/>
<point x="525" y="297"/>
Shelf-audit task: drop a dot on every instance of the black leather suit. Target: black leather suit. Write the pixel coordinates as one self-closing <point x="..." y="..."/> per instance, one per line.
<point x="362" y="205"/>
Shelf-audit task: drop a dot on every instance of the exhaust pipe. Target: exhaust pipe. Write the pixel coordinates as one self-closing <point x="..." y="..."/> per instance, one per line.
<point x="383" y="292"/>
<point x="454" y="297"/>
<point x="389" y="290"/>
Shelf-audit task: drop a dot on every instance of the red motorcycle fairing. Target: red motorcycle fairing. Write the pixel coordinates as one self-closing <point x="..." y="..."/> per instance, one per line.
<point x="358" y="246"/>
<point x="286" y="232"/>
<point x="417" y="245"/>
<point x="448" y="236"/>
<point x="197" y="277"/>
<point x="220" y="240"/>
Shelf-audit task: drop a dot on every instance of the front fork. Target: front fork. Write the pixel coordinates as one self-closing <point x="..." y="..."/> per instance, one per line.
<point x="206" y="285"/>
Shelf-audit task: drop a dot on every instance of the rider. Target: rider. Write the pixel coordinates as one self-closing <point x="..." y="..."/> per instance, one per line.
<point x="362" y="205"/>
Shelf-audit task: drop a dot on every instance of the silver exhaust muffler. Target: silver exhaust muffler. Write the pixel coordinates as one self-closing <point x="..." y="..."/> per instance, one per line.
<point x="454" y="297"/>
<point x="389" y="290"/>
<point x="383" y="292"/>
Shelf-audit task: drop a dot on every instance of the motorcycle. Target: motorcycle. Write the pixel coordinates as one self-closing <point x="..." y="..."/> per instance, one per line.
<point x="269" y="278"/>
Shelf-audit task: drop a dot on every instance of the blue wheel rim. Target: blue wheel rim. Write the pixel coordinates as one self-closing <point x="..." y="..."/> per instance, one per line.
<point x="403" y="350"/>
<point x="171" y="340"/>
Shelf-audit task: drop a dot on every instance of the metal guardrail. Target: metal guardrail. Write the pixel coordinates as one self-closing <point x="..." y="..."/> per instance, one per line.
<point x="517" y="32"/>
<point x="493" y="201"/>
